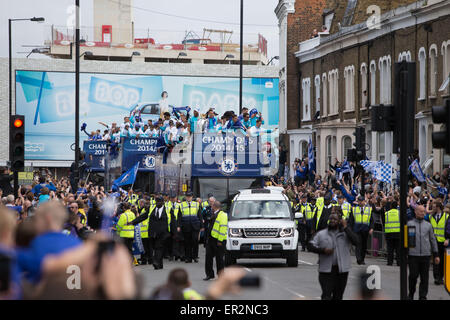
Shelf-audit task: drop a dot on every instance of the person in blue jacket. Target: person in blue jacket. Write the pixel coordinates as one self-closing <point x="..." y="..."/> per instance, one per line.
<point x="49" y="220"/>
<point x="37" y="188"/>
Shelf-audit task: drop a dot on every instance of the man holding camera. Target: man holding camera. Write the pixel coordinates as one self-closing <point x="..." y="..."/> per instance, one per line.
<point x="333" y="246"/>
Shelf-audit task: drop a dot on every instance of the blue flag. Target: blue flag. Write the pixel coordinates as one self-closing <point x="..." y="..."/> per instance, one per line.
<point x="311" y="162"/>
<point x="416" y="170"/>
<point x="128" y="177"/>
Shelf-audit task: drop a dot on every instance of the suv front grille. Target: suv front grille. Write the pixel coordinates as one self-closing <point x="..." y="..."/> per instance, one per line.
<point x="261" y="232"/>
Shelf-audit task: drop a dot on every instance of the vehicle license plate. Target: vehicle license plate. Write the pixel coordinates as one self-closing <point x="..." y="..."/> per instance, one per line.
<point x="261" y="247"/>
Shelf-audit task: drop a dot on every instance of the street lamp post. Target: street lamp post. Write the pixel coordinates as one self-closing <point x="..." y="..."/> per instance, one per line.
<point x="34" y="19"/>
<point x="76" y="169"/>
<point x="241" y="56"/>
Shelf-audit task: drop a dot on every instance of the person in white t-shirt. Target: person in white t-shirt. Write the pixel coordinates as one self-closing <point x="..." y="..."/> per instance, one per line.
<point x="164" y="103"/>
<point x="126" y="121"/>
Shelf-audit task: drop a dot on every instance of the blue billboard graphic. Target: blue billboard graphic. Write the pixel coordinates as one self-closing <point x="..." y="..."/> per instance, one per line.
<point x="228" y="155"/>
<point x="143" y="150"/>
<point x="47" y="99"/>
<point x="95" y="154"/>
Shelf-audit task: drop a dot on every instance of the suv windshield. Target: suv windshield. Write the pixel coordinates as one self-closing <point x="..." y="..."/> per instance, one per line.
<point x="260" y="209"/>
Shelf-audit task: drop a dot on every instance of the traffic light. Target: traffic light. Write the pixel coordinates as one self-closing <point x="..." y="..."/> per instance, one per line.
<point x="17" y="142"/>
<point x="441" y="114"/>
<point x="360" y="143"/>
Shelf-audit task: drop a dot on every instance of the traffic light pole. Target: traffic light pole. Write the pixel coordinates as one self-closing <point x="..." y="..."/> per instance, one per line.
<point x="403" y="183"/>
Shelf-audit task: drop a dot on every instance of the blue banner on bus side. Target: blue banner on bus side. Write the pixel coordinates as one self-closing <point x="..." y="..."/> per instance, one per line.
<point x="142" y="150"/>
<point x="95" y="154"/>
<point x="228" y="155"/>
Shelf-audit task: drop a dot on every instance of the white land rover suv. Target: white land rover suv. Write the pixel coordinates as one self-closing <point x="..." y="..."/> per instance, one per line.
<point x="261" y="225"/>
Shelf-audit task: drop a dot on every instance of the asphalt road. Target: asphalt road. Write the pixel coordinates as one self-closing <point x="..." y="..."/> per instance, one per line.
<point x="280" y="282"/>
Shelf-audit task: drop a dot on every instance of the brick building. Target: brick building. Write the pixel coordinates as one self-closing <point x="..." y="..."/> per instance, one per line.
<point x="296" y="19"/>
<point x="346" y="71"/>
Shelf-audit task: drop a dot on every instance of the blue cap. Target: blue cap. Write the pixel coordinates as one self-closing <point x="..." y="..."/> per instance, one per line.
<point x="253" y="111"/>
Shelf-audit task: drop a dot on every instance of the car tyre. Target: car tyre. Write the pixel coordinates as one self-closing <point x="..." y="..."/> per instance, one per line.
<point x="229" y="260"/>
<point x="292" y="259"/>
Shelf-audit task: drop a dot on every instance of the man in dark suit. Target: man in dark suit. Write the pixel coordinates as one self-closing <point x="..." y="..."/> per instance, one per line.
<point x="158" y="229"/>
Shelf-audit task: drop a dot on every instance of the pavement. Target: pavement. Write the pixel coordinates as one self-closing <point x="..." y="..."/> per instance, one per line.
<point x="280" y="282"/>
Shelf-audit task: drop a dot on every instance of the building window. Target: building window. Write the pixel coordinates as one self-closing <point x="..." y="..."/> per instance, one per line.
<point x="384" y="65"/>
<point x="333" y="78"/>
<point x="405" y="55"/>
<point x="364" y="79"/>
<point x="446" y="63"/>
<point x="346" y="145"/>
<point x="317" y="97"/>
<point x="324" y="94"/>
<point x="349" y="77"/>
<point x="306" y="86"/>
<point x="433" y="69"/>
<point x="422" y="73"/>
<point x="329" y="155"/>
<point x="303" y="149"/>
<point x="373" y="77"/>
<point x="381" y="143"/>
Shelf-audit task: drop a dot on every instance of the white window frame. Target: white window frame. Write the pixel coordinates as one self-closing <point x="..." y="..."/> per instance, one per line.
<point x="445" y="64"/>
<point x="364" y="82"/>
<point x="422" y="57"/>
<point x="373" y="78"/>
<point x="405" y="55"/>
<point x="384" y="65"/>
<point x="325" y="103"/>
<point x="306" y="112"/>
<point x="349" y="76"/>
<point x="333" y="79"/>
<point x="433" y="54"/>
<point x="344" y="153"/>
<point x="317" y="93"/>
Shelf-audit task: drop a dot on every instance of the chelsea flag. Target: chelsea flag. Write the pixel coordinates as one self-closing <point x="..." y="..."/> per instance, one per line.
<point x="128" y="177"/>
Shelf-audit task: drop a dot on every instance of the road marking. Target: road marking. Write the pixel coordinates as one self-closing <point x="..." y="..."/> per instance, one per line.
<point x="287" y="289"/>
<point x="306" y="262"/>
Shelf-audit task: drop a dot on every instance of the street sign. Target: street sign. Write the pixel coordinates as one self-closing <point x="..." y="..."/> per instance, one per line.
<point x="447" y="270"/>
<point x="26" y="177"/>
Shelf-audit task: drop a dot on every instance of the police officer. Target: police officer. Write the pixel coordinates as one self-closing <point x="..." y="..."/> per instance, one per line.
<point x="177" y="237"/>
<point x="308" y="215"/>
<point x="206" y="217"/>
<point x="322" y="213"/>
<point x="132" y="197"/>
<point x="158" y="229"/>
<point x="123" y="227"/>
<point x="301" y="226"/>
<point x="438" y="220"/>
<point x="206" y="203"/>
<point x="345" y="206"/>
<point x="216" y="237"/>
<point x="190" y="224"/>
<point x="392" y="233"/>
<point x="361" y="219"/>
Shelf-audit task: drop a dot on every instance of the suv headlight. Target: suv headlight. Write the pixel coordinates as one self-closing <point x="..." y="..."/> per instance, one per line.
<point x="286" y="232"/>
<point x="235" y="232"/>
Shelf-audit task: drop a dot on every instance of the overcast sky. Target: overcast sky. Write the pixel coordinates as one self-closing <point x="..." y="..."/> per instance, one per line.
<point x="258" y="14"/>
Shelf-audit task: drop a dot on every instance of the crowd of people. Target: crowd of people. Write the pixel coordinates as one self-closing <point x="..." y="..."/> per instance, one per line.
<point x="177" y="126"/>
<point x="50" y="224"/>
<point x="41" y="228"/>
<point x="371" y="210"/>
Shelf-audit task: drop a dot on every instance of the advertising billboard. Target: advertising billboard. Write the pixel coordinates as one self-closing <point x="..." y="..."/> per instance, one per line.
<point x="47" y="99"/>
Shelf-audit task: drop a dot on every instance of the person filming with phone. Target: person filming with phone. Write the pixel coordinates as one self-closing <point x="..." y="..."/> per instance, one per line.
<point x="333" y="246"/>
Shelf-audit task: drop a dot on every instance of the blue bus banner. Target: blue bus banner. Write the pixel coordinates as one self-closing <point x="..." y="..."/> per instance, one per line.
<point x="95" y="155"/>
<point x="139" y="149"/>
<point x="231" y="155"/>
